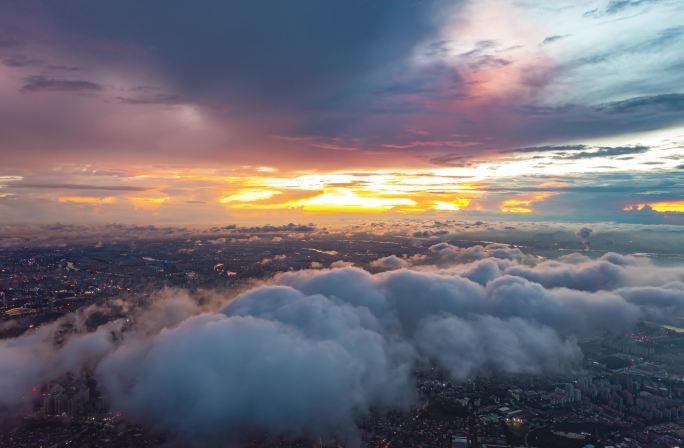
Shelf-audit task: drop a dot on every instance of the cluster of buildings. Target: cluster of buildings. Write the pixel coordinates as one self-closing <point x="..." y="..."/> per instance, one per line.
<point x="630" y="393"/>
<point x="38" y="284"/>
<point x="64" y="398"/>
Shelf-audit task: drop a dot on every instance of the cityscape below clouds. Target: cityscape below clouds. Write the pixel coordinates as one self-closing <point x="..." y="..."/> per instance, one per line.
<point x="342" y="224"/>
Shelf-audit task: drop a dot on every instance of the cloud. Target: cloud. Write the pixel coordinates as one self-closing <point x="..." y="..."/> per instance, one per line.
<point x="605" y="152"/>
<point x="451" y="160"/>
<point x="465" y="347"/>
<point x="390" y="262"/>
<point x="583" y="233"/>
<point x="81" y="339"/>
<point x="447" y="253"/>
<point x="616" y="6"/>
<point x="218" y="383"/>
<point x="658" y="303"/>
<point x="42" y="84"/>
<point x="667" y="102"/>
<point x="415" y="94"/>
<point x="310" y="352"/>
<point x="608" y="272"/>
<point x="664" y="37"/>
<point x="76" y="187"/>
<point x="19" y="60"/>
<point x="554" y="38"/>
<point x="276" y="54"/>
<point x="482" y="56"/>
<point x="341" y="264"/>
<point x="546" y="148"/>
<point x="164" y="99"/>
<point x="290" y="227"/>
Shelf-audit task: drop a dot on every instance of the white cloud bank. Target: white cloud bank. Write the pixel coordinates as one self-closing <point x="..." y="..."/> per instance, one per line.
<point x="310" y="352"/>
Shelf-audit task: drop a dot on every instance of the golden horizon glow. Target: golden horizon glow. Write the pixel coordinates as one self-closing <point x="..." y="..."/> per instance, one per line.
<point x="456" y="205"/>
<point x="248" y="195"/>
<point x="88" y="200"/>
<point x="523" y="204"/>
<point x="334" y="200"/>
<point x="407" y="191"/>
<point x="148" y="203"/>
<point x="665" y="206"/>
<point x="245" y="190"/>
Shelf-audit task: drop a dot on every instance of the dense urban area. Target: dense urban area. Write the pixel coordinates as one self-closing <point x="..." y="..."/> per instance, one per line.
<point x="629" y="394"/>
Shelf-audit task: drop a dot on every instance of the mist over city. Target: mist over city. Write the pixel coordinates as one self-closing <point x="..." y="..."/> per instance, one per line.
<point x="359" y="223"/>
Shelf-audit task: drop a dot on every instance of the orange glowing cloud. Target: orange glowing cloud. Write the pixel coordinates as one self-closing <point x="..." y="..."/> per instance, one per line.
<point x="671" y="206"/>
<point x="148" y="203"/>
<point x="88" y="200"/>
<point x="332" y="200"/>
<point x="452" y="206"/>
<point x="248" y="195"/>
<point x="404" y="191"/>
<point x="371" y="196"/>
<point x="523" y="204"/>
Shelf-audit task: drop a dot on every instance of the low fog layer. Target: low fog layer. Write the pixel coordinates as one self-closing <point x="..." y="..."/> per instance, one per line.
<point x="312" y="351"/>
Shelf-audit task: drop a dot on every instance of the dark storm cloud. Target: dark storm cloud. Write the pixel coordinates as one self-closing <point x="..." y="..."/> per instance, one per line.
<point x="301" y="68"/>
<point x="267" y="52"/>
<point x="42" y="84"/>
<point x="362" y="72"/>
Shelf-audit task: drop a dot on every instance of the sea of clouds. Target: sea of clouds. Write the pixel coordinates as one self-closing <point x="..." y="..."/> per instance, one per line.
<point x="313" y="351"/>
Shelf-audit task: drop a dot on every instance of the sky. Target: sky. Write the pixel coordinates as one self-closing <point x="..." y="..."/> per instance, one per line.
<point x="324" y="111"/>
